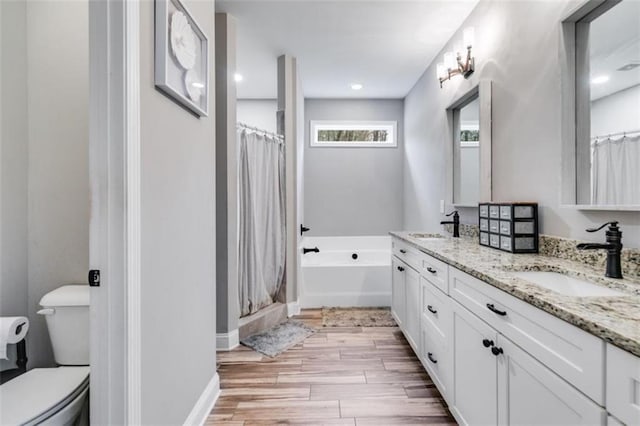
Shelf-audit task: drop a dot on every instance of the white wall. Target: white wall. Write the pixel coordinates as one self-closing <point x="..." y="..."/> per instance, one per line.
<point x="517" y="46"/>
<point x="260" y="113"/>
<point x="178" y="239"/>
<point x="353" y="191"/>
<point x="617" y="112"/>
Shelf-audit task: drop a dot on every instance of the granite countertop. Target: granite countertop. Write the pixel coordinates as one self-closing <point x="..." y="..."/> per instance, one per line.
<point x="614" y="319"/>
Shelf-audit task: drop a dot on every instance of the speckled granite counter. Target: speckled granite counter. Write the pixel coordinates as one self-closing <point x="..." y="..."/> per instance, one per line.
<point x="614" y="319"/>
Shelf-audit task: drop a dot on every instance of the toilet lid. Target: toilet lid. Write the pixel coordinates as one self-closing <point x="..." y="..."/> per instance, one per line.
<point x="40" y="392"/>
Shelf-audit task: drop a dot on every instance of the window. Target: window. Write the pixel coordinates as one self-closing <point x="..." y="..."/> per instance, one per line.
<point x="349" y="134"/>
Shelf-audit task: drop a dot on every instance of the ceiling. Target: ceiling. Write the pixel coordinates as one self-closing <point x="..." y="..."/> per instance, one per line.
<point x="614" y="41"/>
<point x="383" y="44"/>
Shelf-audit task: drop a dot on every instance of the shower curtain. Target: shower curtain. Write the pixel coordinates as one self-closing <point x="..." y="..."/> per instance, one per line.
<point x="261" y="210"/>
<point x="615" y="172"/>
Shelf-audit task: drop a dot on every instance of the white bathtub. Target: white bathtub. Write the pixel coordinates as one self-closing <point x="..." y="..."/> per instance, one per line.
<point x="333" y="277"/>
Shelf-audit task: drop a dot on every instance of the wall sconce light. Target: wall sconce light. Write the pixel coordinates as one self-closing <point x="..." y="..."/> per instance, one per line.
<point x="453" y="64"/>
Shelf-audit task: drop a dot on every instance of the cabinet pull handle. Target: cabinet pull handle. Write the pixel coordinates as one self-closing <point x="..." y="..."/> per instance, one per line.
<point x="430" y="309"/>
<point x="496" y="350"/>
<point x="430" y="269"/>
<point x="493" y="309"/>
<point x="400" y="268"/>
<point x="487" y="343"/>
<point x="431" y="358"/>
<point x="403" y="251"/>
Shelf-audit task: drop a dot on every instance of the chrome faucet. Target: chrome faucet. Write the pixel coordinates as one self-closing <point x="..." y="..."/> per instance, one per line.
<point x="613" y="246"/>
<point x="455" y="222"/>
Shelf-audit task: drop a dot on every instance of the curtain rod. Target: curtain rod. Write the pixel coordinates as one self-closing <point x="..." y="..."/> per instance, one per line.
<point x="255" y="129"/>
<point x="608" y="135"/>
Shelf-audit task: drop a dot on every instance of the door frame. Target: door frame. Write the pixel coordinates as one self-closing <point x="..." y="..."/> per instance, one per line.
<point x="114" y="160"/>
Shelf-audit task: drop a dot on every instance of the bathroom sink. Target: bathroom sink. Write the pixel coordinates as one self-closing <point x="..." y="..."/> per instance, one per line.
<point x="564" y="284"/>
<point x="426" y="237"/>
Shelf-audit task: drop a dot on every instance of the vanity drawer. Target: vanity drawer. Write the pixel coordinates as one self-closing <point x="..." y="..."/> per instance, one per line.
<point x="484" y="225"/>
<point x="623" y="385"/>
<point x="573" y="354"/>
<point x="410" y="255"/>
<point x="436" y="272"/>
<point x="494" y="226"/>
<point x="484" y="238"/>
<point x="494" y="211"/>
<point x="484" y="210"/>
<point x="436" y="358"/>
<point x="436" y="308"/>
<point x="494" y="240"/>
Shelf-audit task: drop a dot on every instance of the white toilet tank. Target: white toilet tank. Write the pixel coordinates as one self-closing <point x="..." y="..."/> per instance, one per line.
<point x="67" y="312"/>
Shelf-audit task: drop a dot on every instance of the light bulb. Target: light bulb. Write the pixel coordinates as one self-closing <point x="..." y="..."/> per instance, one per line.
<point x="238" y="77"/>
<point x="449" y="60"/>
<point x="469" y="37"/>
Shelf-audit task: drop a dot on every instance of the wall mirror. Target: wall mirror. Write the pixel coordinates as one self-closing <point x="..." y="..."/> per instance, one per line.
<point x="602" y="159"/>
<point x="470" y="159"/>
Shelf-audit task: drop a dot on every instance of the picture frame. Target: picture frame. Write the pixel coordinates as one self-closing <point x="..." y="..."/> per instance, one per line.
<point x="181" y="57"/>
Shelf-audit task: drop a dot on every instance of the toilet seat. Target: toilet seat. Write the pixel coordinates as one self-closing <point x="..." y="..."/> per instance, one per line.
<point x="41" y="393"/>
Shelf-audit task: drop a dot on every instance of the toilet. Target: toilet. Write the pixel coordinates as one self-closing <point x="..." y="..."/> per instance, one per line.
<point x="55" y="396"/>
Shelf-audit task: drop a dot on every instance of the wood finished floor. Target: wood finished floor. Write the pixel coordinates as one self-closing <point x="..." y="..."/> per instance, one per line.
<point x="339" y="376"/>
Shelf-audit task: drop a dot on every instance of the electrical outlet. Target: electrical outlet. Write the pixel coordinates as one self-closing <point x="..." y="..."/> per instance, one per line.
<point x="441" y="206"/>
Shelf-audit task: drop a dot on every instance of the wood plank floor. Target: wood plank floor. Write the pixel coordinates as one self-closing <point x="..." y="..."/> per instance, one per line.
<point x="339" y="376"/>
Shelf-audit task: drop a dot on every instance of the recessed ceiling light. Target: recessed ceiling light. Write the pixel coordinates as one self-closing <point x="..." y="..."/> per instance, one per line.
<point x="238" y="77"/>
<point x="600" y="79"/>
<point x="356" y="86"/>
<point x="198" y="85"/>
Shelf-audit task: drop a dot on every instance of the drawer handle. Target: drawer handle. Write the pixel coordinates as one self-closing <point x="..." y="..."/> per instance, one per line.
<point x="496" y="311"/>
<point x="403" y="251"/>
<point x="400" y="268"/>
<point x="487" y="343"/>
<point x="496" y="350"/>
<point x="430" y="269"/>
<point x="431" y="358"/>
<point x="430" y="309"/>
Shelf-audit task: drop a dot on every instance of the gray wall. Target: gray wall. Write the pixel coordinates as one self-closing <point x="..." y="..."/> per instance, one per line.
<point x="45" y="182"/>
<point x="178" y="239"/>
<point x="14" y="160"/>
<point x="353" y="191"/>
<point x="617" y="112"/>
<point x="526" y="122"/>
<point x="259" y="113"/>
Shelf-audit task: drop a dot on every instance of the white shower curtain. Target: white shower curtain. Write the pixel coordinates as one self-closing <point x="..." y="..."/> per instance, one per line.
<point x="261" y="211"/>
<point x="615" y="165"/>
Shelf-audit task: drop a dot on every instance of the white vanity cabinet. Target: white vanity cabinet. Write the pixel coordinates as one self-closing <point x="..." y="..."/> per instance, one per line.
<point x="498" y="360"/>
<point x="398" y="291"/>
<point x="412" y="308"/>
<point x="405" y="300"/>
<point x="623" y="385"/>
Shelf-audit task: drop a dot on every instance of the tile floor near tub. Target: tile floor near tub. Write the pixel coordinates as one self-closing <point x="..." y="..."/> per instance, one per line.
<point x="345" y="376"/>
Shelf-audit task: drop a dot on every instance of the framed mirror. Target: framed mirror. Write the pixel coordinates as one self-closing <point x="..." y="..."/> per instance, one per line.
<point x="601" y="106"/>
<point x="470" y="147"/>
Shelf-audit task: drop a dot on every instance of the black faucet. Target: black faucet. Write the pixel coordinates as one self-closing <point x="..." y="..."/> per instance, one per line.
<point x="613" y="246"/>
<point x="455" y="222"/>
<point x="308" y="250"/>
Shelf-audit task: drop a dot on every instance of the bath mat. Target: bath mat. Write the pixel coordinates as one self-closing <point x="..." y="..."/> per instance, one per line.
<point x="278" y="339"/>
<point x="357" y="317"/>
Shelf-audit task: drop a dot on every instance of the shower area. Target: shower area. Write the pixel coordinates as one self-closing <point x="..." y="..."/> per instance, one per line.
<point x="261" y="228"/>
<point x="257" y="187"/>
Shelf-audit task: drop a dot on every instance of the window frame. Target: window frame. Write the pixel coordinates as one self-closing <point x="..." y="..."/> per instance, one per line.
<point x="316" y="125"/>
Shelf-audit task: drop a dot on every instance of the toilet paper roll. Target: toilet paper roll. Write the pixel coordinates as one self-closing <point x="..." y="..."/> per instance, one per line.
<point x="12" y="330"/>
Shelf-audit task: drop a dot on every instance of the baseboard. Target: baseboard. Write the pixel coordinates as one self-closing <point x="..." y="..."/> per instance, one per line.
<point x="293" y="308"/>
<point x="205" y="403"/>
<point x="227" y="341"/>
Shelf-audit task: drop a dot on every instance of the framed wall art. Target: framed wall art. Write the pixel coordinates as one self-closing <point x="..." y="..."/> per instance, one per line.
<point x="181" y="57"/>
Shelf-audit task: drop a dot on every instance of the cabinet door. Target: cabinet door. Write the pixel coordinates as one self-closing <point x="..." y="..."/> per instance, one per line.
<point x="474" y="389"/>
<point x="531" y="394"/>
<point x="397" y="291"/>
<point x="412" y="308"/>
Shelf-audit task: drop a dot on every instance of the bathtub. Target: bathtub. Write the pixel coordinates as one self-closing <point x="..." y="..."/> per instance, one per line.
<point x="348" y="271"/>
